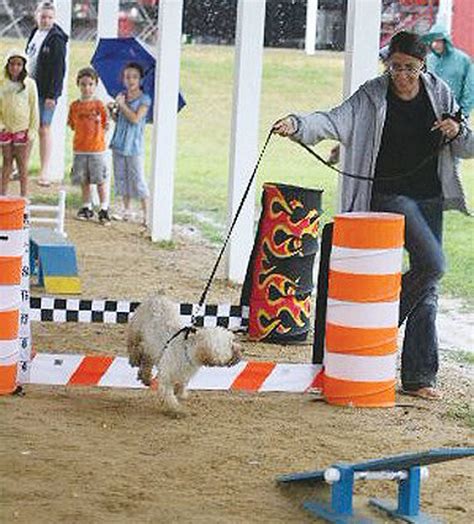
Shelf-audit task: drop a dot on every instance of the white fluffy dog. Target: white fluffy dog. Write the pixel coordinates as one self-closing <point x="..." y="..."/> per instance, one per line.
<point x="155" y="321"/>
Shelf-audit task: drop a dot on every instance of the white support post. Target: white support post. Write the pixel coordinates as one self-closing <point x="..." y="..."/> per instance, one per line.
<point x="59" y="124"/>
<point x="107" y="27"/>
<point x="361" y="50"/>
<point x="170" y="18"/>
<point x="362" y="43"/>
<point x="244" y="133"/>
<point x="311" y="24"/>
<point x="107" y="18"/>
<point x="445" y="14"/>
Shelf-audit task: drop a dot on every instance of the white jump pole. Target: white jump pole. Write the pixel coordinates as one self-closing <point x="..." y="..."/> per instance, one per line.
<point x="107" y="27"/>
<point x="59" y="124"/>
<point x="361" y="50"/>
<point x="311" y="25"/>
<point x="168" y="53"/>
<point x="445" y="14"/>
<point x="244" y="133"/>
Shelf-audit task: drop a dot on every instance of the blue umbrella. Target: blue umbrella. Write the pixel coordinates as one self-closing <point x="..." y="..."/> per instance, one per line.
<point x="113" y="54"/>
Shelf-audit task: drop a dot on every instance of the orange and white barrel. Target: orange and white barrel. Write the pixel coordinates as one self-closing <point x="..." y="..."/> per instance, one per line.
<point x="11" y="254"/>
<point x="363" y="308"/>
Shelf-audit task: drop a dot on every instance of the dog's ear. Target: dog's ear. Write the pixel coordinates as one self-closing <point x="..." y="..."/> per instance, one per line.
<point x="236" y="355"/>
<point x="237" y="350"/>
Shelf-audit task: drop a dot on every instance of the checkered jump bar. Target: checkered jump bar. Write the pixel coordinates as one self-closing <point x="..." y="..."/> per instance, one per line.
<point x="51" y="309"/>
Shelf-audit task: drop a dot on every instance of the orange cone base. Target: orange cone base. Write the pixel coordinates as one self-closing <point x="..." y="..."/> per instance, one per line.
<point x="8" y="379"/>
<point x="359" y="394"/>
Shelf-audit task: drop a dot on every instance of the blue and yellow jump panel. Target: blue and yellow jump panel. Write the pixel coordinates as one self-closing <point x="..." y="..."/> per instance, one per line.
<point x="408" y="470"/>
<point x="53" y="260"/>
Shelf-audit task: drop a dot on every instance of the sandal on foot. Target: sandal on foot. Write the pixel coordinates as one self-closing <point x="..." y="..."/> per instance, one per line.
<point x="43" y="183"/>
<point x="426" y="393"/>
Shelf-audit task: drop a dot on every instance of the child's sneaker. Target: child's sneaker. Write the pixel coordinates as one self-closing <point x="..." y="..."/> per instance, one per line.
<point x="85" y="214"/>
<point x="104" y="217"/>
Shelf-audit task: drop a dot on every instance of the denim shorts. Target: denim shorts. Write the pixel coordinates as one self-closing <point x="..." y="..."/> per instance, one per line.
<point x="46" y="113"/>
<point x="89" y="168"/>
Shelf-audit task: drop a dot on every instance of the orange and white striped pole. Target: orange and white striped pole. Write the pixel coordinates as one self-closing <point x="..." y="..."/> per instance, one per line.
<point x="363" y="308"/>
<point x="11" y="253"/>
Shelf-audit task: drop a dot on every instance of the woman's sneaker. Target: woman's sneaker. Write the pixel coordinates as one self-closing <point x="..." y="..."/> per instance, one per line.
<point x="104" y="217"/>
<point x="85" y="214"/>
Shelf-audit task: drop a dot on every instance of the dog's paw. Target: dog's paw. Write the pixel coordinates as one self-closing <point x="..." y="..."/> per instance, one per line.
<point x="182" y="393"/>
<point x="175" y="413"/>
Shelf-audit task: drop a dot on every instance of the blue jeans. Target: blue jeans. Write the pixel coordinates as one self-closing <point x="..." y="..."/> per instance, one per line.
<point x="419" y="297"/>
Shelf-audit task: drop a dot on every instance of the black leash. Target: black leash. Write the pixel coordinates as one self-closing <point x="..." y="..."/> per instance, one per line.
<point x="408" y="174"/>
<point x="234" y="221"/>
<point x="192" y="329"/>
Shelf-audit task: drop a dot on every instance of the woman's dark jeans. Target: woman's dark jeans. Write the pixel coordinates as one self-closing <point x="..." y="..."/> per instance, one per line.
<point x="419" y="297"/>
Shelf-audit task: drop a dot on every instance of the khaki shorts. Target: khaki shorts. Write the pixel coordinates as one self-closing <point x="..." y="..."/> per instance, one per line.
<point x="89" y="169"/>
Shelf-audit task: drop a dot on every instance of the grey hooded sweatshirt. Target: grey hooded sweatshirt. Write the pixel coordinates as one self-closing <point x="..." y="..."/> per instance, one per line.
<point x="358" y="124"/>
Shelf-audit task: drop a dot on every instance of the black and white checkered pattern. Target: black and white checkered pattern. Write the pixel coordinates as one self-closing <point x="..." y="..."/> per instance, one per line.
<point x="51" y="309"/>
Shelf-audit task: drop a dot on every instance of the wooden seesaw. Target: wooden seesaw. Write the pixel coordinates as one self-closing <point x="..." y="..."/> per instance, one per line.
<point x="407" y="469"/>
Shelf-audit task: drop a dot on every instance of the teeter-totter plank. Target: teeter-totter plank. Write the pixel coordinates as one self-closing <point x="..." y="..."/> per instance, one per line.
<point x="407" y="469"/>
<point x="393" y="463"/>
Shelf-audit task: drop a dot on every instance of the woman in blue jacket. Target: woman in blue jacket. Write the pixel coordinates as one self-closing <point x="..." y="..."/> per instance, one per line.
<point x="46" y="50"/>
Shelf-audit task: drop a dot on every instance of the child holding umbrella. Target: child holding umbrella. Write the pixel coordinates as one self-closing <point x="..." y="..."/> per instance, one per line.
<point x="129" y="111"/>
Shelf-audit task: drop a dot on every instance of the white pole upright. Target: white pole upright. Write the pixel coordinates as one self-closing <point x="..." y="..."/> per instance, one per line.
<point x="362" y="43"/>
<point x="58" y="127"/>
<point x="170" y="17"/>
<point x="107" y="27"/>
<point x="311" y="24"/>
<point x="107" y="18"/>
<point x="244" y="133"/>
<point x="361" y="49"/>
<point x="445" y="14"/>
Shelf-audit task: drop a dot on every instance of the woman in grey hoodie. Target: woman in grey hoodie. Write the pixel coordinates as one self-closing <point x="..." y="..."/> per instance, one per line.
<point x="393" y="125"/>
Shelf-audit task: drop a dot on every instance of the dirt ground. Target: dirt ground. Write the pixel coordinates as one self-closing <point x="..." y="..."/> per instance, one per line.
<point x="89" y="455"/>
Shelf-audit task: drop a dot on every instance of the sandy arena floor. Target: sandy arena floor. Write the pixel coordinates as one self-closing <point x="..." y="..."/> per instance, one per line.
<point x="87" y="455"/>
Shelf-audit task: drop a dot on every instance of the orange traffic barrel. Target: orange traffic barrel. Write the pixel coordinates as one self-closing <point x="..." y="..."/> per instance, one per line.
<point x="12" y="210"/>
<point x="11" y="250"/>
<point x="364" y="285"/>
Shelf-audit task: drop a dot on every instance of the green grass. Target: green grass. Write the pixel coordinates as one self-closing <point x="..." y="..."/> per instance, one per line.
<point x="463" y="357"/>
<point x="291" y="81"/>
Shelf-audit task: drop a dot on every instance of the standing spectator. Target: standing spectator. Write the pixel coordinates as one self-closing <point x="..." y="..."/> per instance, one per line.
<point x="452" y="65"/>
<point x="88" y="120"/>
<point x="18" y="119"/>
<point x="46" y="50"/>
<point x="128" y="141"/>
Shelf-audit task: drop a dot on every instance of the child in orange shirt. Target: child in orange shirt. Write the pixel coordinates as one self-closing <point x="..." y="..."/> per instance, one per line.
<point x="88" y="119"/>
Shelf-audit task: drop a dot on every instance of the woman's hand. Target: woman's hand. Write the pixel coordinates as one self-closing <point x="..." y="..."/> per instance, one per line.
<point x="448" y="126"/>
<point x="285" y="127"/>
<point x="49" y="103"/>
